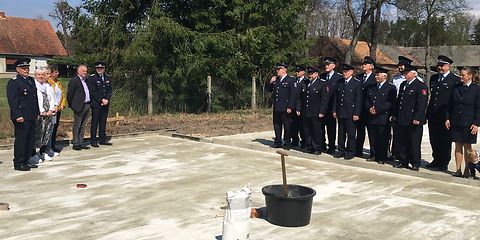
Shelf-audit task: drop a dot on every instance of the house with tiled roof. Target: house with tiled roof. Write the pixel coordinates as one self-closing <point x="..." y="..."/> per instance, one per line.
<point x="387" y="56"/>
<point x="24" y="37"/>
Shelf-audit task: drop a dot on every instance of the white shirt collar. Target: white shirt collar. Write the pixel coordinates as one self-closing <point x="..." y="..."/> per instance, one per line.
<point x="468" y="85"/>
<point x="348" y="80"/>
<point x="446" y="74"/>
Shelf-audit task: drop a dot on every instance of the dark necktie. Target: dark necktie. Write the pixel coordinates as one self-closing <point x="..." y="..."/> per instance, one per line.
<point x="440" y="78"/>
<point x="328" y="77"/>
<point x="364" y="78"/>
<point x="379" y="85"/>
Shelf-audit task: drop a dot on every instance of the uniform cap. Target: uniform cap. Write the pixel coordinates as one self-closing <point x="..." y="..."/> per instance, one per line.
<point x="444" y="60"/>
<point x="404" y="60"/>
<point x="347" y="67"/>
<point x="312" y="69"/>
<point x="281" y="65"/>
<point x="368" y="60"/>
<point x="99" y="64"/>
<point x="409" y="67"/>
<point x="23" y="62"/>
<point x="329" y="60"/>
<point x="299" y="68"/>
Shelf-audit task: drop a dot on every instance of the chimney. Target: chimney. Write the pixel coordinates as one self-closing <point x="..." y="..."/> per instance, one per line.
<point x="2" y="15"/>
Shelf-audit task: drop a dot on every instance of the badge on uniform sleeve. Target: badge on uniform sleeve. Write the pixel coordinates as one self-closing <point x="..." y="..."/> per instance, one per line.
<point x="424" y="92"/>
<point x="328" y="88"/>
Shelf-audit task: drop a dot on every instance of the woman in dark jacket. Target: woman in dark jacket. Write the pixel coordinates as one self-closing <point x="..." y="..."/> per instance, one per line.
<point x="463" y="118"/>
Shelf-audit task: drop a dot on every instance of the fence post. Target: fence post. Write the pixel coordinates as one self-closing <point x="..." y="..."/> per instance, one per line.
<point x="209" y="93"/>
<point x="254" y="94"/>
<point x="150" y="96"/>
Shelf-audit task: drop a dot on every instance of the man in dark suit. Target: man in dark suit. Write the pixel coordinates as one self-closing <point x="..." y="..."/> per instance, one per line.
<point x="23" y="103"/>
<point x="312" y="106"/>
<point x="100" y="88"/>
<point x="330" y="123"/>
<point x="297" y="125"/>
<point x="347" y="106"/>
<point x="284" y="96"/>
<point x="367" y="79"/>
<point x="379" y="102"/>
<point x="78" y="98"/>
<point x="441" y="86"/>
<point x="410" y="116"/>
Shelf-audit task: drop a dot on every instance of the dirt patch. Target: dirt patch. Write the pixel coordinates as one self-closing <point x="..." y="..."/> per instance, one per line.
<point x="202" y="125"/>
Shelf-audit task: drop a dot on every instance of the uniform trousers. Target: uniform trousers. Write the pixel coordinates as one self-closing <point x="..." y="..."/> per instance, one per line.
<point x="314" y="135"/>
<point x="346" y="133"/>
<point x="281" y="120"/>
<point x="361" y="126"/>
<point x="79" y="125"/>
<point x="297" y="129"/>
<point x="441" y="142"/>
<point x="380" y="134"/>
<point x="409" y="140"/>
<point x="24" y="141"/>
<point x="99" y="121"/>
<point x="53" y="139"/>
<point x="330" y="127"/>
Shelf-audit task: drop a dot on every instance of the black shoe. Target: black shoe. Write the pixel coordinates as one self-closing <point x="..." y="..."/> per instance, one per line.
<point x="371" y="160"/>
<point x="287" y="146"/>
<point x="381" y="162"/>
<point x="77" y="147"/>
<point x="106" y="143"/>
<point x="295" y="144"/>
<point x="360" y="155"/>
<point x="94" y="144"/>
<point x="471" y="168"/>
<point x="85" y="147"/>
<point x="400" y="165"/>
<point x="432" y="165"/>
<point x="348" y="157"/>
<point x="317" y="152"/>
<point x="458" y="173"/>
<point x="21" y="167"/>
<point x="276" y="146"/>
<point x="339" y="155"/>
<point x="32" y="165"/>
<point x="415" y="168"/>
<point x="370" y="157"/>
<point x="330" y="150"/>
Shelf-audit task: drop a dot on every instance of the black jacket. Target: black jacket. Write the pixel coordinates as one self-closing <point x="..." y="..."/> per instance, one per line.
<point x="369" y="82"/>
<point x="76" y="95"/>
<point x="284" y="93"/>
<point x="383" y="100"/>
<point x="22" y="98"/>
<point x="441" y="92"/>
<point x="336" y="77"/>
<point x="313" y="99"/>
<point x="99" y="89"/>
<point x="411" y="103"/>
<point x="464" y="106"/>
<point x="348" y="99"/>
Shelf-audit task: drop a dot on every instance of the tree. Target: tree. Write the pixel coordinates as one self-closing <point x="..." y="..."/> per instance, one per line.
<point x="359" y="19"/>
<point x="65" y="15"/>
<point x="429" y="10"/>
<point x="476" y="33"/>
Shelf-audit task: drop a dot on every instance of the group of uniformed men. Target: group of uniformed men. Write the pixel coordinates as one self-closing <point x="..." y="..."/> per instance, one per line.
<point x="83" y="92"/>
<point x="310" y="107"/>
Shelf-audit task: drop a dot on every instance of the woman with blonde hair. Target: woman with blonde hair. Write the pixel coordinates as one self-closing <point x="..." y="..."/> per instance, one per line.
<point x="463" y="118"/>
<point x="60" y="103"/>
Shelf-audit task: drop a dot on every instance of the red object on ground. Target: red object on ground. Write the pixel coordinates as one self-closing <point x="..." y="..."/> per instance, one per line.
<point x="81" y="185"/>
<point x="254" y="213"/>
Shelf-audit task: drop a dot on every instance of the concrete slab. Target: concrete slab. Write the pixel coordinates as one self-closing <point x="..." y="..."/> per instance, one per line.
<point x="157" y="187"/>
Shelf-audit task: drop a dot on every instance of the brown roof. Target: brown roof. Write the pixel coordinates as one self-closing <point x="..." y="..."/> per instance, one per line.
<point x="23" y="36"/>
<point x="337" y="47"/>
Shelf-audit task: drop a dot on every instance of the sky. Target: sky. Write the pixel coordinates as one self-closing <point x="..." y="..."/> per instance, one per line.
<point x="41" y="8"/>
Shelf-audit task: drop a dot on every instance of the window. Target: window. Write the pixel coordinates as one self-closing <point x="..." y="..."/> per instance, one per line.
<point x="11" y="65"/>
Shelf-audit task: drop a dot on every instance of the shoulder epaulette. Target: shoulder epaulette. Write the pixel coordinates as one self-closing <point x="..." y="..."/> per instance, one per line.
<point x="323" y="80"/>
<point x="92" y="75"/>
<point x="356" y="79"/>
<point x="338" y="73"/>
<point x="14" y="78"/>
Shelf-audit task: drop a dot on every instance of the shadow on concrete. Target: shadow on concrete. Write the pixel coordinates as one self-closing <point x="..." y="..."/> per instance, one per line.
<point x="263" y="141"/>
